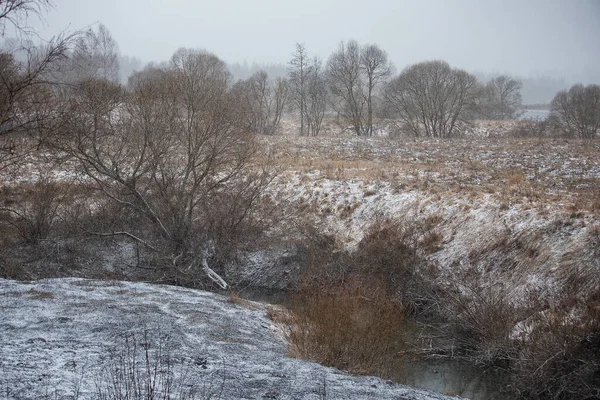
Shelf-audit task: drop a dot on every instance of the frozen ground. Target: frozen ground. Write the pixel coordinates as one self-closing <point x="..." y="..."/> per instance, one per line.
<point x="66" y="338"/>
<point x="534" y="115"/>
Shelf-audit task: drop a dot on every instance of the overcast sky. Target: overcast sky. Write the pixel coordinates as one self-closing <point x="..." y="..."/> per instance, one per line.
<point x="526" y="37"/>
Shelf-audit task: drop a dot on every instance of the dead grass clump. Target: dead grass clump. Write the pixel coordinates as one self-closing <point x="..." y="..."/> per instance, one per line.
<point x="144" y="366"/>
<point x="354" y="325"/>
<point x="235" y="298"/>
<point x="561" y="357"/>
<point x="35" y="213"/>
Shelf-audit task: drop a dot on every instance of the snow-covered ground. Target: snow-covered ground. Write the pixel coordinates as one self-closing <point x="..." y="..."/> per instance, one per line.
<point x="527" y="247"/>
<point x="534" y="115"/>
<point x="523" y="212"/>
<point x="67" y="339"/>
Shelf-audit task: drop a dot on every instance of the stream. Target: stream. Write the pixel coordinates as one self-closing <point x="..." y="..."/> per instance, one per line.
<point x="443" y="375"/>
<point x="455" y="378"/>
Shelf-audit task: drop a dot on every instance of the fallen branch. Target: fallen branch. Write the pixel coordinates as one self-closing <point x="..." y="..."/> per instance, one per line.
<point x="216" y="278"/>
<point x="123" y="233"/>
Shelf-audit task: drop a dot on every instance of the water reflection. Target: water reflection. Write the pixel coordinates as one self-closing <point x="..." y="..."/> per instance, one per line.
<point x="454" y="378"/>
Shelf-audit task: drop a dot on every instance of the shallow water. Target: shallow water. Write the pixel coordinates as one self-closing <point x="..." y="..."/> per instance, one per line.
<point x="453" y="377"/>
<point x="446" y="376"/>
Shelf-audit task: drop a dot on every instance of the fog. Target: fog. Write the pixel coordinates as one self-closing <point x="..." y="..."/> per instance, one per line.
<point x="534" y="38"/>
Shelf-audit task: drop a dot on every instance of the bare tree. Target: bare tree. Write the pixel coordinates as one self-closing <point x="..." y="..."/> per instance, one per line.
<point x="501" y="98"/>
<point x="431" y="98"/>
<point x="316" y="99"/>
<point x="264" y="102"/>
<point x="354" y="73"/>
<point x="346" y="83"/>
<point x="577" y="111"/>
<point x="27" y="82"/>
<point x="17" y="12"/>
<point x="377" y="68"/>
<point x="25" y="69"/>
<point x="95" y="56"/>
<point x="299" y="70"/>
<point x="170" y="154"/>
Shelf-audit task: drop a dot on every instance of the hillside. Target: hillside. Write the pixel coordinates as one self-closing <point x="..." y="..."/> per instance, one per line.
<point x="67" y="339"/>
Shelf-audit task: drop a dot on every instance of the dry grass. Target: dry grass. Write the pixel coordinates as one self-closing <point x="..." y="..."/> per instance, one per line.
<point x="354" y="325"/>
<point x="514" y="170"/>
<point x="235" y="298"/>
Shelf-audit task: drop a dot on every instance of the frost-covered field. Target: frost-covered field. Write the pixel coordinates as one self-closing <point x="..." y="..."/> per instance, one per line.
<point x="534" y="115"/>
<point x="525" y="211"/>
<point x="66" y="339"/>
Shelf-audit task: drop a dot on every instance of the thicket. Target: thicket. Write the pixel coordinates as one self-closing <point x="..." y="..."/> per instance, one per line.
<point x="361" y="311"/>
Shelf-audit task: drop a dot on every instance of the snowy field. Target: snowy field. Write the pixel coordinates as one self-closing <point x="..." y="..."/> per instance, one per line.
<point x="70" y="338"/>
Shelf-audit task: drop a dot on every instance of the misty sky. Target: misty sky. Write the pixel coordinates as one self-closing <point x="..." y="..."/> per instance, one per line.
<point x="516" y="37"/>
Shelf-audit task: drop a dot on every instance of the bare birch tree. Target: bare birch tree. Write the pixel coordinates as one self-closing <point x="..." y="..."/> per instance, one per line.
<point x="299" y="70"/>
<point x="347" y="86"/>
<point x="316" y="99"/>
<point x="376" y="66"/>
<point x="95" y="56"/>
<point x="16" y="13"/>
<point x="354" y="73"/>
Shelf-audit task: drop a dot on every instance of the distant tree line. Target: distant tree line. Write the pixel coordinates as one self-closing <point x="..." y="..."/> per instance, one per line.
<point x="430" y="99"/>
<point x="357" y="87"/>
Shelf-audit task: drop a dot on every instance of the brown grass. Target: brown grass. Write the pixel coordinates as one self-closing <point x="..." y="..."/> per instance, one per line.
<point x="514" y="170"/>
<point x="354" y="325"/>
<point x="235" y="298"/>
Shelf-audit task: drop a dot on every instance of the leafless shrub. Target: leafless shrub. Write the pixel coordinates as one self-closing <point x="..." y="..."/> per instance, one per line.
<point x="500" y="98"/>
<point x="481" y="321"/>
<point x="577" y="111"/>
<point x="353" y="325"/>
<point x="263" y="102"/>
<point x="560" y="358"/>
<point x="549" y="351"/>
<point x="38" y="211"/>
<point x="389" y="252"/>
<point x="530" y="129"/>
<point x="144" y="367"/>
<point x="11" y="269"/>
